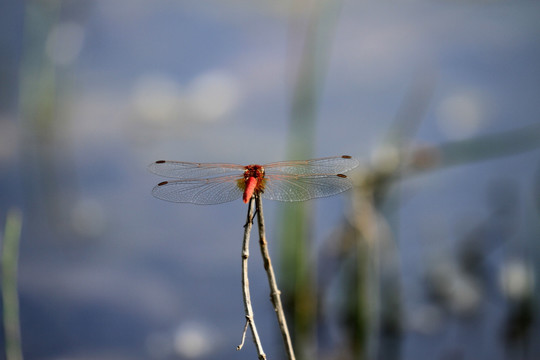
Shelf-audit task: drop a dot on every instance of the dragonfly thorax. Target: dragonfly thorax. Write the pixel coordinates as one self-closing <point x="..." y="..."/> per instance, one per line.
<point x="254" y="171"/>
<point x="254" y="181"/>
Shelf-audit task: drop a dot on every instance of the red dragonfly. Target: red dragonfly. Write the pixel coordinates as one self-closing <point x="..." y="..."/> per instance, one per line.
<point x="216" y="183"/>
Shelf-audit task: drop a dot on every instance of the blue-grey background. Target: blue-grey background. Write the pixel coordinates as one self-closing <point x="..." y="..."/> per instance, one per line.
<point x="92" y="92"/>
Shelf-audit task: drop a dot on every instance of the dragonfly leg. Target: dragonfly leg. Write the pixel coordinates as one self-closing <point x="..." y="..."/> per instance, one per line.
<point x="251" y="216"/>
<point x="249" y="221"/>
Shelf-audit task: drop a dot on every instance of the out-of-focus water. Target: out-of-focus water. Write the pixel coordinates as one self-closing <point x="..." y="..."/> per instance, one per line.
<point x="91" y="93"/>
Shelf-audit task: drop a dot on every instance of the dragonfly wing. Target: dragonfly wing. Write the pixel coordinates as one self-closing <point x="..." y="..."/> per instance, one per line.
<point x="327" y="165"/>
<point x="304" y="187"/>
<point x="189" y="170"/>
<point x="203" y="191"/>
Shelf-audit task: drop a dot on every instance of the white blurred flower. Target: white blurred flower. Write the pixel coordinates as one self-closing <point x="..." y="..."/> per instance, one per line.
<point x="458" y="291"/>
<point x="209" y="97"/>
<point x="213" y="95"/>
<point x="462" y="114"/>
<point x="64" y="43"/>
<point x="194" y="340"/>
<point x="466" y="295"/>
<point x="157" y="98"/>
<point x="516" y="279"/>
<point x="385" y="158"/>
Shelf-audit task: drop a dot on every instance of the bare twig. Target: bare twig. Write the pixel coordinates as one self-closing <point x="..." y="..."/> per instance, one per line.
<point x="274" y="291"/>
<point x="250" y="321"/>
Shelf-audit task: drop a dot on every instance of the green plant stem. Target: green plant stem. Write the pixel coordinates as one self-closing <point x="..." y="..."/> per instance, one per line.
<point x="10" y="298"/>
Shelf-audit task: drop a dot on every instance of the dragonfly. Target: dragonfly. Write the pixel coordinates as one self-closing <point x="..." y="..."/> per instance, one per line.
<point x="216" y="183"/>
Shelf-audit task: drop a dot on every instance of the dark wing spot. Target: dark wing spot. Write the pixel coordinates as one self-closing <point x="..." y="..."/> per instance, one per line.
<point x="162" y="183"/>
<point x="341" y="175"/>
<point x="346" y="156"/>
<point x="160" y="161"/>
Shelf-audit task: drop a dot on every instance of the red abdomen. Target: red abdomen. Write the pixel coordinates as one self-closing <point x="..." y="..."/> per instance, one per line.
<point x="251" y="185"/>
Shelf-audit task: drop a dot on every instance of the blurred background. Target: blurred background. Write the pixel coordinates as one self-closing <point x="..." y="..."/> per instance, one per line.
<point x="432" y="256"/>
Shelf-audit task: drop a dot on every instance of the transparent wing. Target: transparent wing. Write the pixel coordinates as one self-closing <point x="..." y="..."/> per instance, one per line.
<point x="199" y="191"/>
<point x="304" y="187"/>
<point x="189" y="170"/>
<point x="327" y="165"/>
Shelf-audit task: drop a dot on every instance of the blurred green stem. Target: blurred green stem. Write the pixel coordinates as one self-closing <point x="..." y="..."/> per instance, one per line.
<point x="10" y="298"/>
<point x="491" y="146"/>
<point x="39" y="108"/>
<point x="299" y="292"/>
